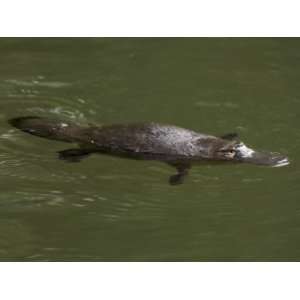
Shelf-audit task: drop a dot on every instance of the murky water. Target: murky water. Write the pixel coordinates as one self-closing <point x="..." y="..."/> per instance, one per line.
<point x="107" y="208"/>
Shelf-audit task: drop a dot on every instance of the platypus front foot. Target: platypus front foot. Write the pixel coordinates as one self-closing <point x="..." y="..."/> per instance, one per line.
<point x="183" y="169"/>
<point x="73" y="155"/>
<point x="176" y="179"/>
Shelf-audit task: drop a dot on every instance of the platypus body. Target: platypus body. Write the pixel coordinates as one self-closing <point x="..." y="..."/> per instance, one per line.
<point x="176" y="146"/>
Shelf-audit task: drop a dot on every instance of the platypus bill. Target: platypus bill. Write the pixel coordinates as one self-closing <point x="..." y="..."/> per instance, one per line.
<point x="176" y="146"/>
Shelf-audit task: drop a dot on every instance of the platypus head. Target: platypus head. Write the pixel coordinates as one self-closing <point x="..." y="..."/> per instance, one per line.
<point x="239" y="152"/>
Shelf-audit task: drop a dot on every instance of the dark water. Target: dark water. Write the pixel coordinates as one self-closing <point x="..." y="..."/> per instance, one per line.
<point x="115" y="209"/>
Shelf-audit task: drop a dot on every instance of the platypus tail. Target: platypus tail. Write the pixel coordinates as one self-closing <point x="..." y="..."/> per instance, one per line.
<point x="49" y="128"/>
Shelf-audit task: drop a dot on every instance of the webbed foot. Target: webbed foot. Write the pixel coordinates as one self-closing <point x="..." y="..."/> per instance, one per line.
<point x="183" y="169"/>
<point x="176" y="179"/>
<point x="73" y="155"/>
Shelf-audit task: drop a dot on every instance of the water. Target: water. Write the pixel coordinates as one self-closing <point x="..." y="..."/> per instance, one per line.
<point x="107" y="208"/>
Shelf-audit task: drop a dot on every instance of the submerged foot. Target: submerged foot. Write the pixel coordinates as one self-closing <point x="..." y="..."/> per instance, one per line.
<point x="176" y="179"/>
<point x="183" y="169"/>
<point x="73" y="155"/>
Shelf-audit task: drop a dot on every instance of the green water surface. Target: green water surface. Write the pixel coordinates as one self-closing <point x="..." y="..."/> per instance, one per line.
<point x="107" y="208"/>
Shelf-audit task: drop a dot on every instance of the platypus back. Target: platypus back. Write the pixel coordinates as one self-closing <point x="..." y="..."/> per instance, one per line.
<point x="49" y="128"/>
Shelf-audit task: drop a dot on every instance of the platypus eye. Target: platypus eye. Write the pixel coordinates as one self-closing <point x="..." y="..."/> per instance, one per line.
<point x="228" y="153"/>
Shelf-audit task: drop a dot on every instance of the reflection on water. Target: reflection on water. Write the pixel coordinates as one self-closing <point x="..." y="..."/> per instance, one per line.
<point x="32" y="83"/>
<point x="216" y="104"/>
<point x="106" y="208"/>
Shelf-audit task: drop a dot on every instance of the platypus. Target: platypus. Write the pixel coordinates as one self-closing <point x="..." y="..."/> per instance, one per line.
<point x="178" y="147"/>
